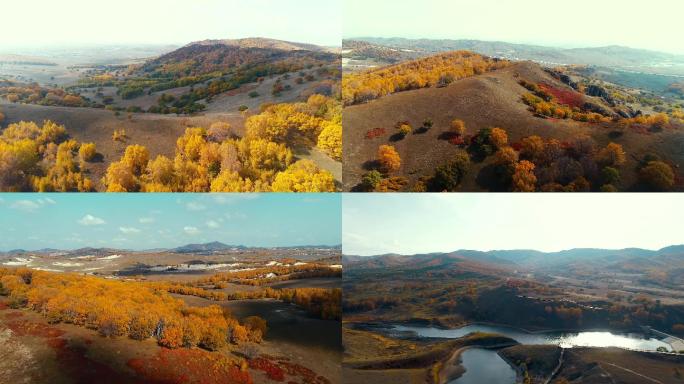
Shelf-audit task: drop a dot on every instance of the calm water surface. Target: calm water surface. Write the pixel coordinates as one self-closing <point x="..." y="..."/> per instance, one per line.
<point x="484" y="366"/>
<point x="562" y="339"/>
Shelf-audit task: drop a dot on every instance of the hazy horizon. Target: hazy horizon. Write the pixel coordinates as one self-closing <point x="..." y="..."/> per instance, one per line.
<point x="512" y="249"/>
<point x="536" y="22"/>
<point x="168" y="22"/>
<point x="409" y="224"/>
<point x="139" y="222"/>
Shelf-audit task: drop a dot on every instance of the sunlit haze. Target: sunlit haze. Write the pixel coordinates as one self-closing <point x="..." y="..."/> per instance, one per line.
<point x="421" y="223"/>
<point x="73" y="22"/>
<point x="652" y="25"/>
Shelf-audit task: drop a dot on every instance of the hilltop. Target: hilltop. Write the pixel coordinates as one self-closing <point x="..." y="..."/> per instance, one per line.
<point x="260" y="42"/>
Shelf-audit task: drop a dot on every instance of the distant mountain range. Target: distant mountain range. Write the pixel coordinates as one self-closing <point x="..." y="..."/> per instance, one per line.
<point x="608" y="56"/>
<point x="210" y="247"/>
<point x="528" y="259"/>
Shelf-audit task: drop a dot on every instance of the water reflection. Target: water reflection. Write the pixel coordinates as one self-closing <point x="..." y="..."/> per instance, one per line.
<point x="563" y="339"/>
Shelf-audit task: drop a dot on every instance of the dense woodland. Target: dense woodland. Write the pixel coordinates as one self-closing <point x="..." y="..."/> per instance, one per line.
<point x="454" y="297"/>
<point x="438" y="70"/>
<point x="116" y="308"/>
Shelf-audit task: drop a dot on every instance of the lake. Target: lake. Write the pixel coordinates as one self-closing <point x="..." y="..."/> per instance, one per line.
<point x="563" y="339"/>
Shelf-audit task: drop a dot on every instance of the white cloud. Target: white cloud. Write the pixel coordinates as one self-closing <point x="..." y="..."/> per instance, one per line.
<point x="90" y="220"/>
<point x="146" y="220"/>
<point x="195" y="206"/>
<point x="129" y="230"/>
<point x="213" y="224"/>
<point x="191" y="230"/>
<point x="25" y="205"/>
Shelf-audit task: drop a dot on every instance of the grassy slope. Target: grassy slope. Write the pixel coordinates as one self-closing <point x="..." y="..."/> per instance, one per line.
<point x="487" y="100"/>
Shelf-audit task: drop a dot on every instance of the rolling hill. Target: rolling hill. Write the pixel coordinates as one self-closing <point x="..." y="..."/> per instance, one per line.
<point x="495" y="99"/>
<point x="525" y="258"/>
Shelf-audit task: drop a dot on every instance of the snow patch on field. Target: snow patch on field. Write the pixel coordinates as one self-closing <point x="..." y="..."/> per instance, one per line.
<point x="111" y="257"/>
<point x="191" y="267"/>
<point x="66" y="264"/>
<point x="18" y="261"/>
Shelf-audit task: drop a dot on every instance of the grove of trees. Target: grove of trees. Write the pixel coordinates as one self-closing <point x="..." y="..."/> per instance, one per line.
<point x="41" y="158"/>
<point x="438" y="70"/>
<point x="116" y="308"/>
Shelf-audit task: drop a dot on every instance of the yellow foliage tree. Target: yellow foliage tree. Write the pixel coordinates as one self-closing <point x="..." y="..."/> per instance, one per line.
<point x="389" y="158"/>
<point x="458" y="127"/>
<point x="523" y="177"/>
<point x="330" y="140"/>
<point x="611" y="155"/>
<point x="87" y="152"/>
<point x="498" y="137"/>
<point x="304" y="176"/>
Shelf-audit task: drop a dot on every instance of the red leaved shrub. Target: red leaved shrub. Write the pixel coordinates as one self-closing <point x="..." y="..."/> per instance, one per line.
<point x="567" y="97"/>
<point x="375" y="132"/>
<point x="273" y="371"/>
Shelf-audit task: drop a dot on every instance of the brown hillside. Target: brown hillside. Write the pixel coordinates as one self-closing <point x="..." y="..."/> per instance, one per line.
<point x="488" y="100"/>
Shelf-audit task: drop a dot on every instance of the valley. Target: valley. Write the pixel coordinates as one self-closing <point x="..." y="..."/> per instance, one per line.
<point x="619" y="311"/>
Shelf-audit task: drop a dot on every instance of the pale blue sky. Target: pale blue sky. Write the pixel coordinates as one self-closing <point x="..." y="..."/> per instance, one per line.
<point x="144" y="221"/>
<point x="653" y="24"/>
<point x="420" y="223"/>
<point x="74" y="22"/>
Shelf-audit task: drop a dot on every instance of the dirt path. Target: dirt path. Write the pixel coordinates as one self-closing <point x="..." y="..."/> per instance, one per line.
<point x="558" y="367"/>
<point x="323" y="161"/>
<point x="635" y="373"/>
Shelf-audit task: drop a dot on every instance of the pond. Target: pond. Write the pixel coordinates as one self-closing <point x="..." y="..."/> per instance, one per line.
<point x="484" y="366"/>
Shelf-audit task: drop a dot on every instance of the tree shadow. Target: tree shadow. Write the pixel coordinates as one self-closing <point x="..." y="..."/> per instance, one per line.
<point x="615" y="134"/>
<point x="493" y="179"/>
<point x="98" y="158"/>
<point x="371" y="165"/>
<point x="421" y="130"/>
<point x="446" y="136"/>
<point x="396" y="137"/>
